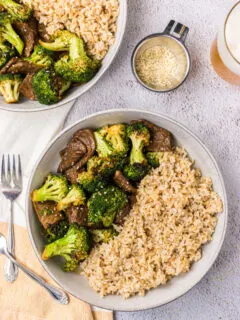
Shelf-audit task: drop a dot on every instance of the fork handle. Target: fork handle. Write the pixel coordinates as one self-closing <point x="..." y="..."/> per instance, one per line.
<point x="55" y="292"/>
<point x="10" y="269"/>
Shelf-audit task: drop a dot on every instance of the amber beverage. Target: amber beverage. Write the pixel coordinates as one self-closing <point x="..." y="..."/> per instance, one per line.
<point x="225" y="50"/>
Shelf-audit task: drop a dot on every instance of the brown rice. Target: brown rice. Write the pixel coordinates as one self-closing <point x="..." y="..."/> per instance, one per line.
<point x="174" y="216"/>
<point x="93" y="20"/>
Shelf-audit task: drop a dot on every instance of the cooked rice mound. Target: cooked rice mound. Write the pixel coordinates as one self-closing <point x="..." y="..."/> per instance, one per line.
<point x="93" y="20"/>
<point x="174" y="216"/>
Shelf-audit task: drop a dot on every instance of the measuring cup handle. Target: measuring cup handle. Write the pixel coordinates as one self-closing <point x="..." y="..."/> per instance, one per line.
<point x="177" y="30"/>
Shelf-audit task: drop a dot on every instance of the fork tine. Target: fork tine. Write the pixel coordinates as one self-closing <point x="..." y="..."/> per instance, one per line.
<point x="3" y="172"/>
<point x="9" y="175"/>
<point x="19" y="171"/>
<point x="14" y="174"/>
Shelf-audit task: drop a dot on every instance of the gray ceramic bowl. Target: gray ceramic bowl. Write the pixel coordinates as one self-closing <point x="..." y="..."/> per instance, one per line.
<point x="29" y="106"/>
<point x="77" y="285"/>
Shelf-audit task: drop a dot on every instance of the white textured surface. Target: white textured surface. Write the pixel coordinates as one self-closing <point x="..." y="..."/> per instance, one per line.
<point x="211" y="109"/>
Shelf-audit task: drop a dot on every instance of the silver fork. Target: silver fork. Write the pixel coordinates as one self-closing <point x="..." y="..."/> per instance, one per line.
<point x="11" y="180"/>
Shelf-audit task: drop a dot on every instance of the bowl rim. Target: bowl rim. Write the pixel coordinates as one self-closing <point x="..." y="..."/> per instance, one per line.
<point x="157" y="115"/>
<point x="75" y="95"/>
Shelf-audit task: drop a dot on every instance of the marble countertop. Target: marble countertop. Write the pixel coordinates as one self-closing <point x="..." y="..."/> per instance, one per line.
<point x="211" y="109"/>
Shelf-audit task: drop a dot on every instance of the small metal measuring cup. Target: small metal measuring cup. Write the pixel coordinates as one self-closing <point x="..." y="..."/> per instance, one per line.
<point x="175" y="31"/>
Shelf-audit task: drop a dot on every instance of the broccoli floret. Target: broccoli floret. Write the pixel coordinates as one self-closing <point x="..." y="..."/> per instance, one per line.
<point x="56" y="231"/>
<point x="103" y="148"/>
<point x="77" y="66"/>
<point x="139" y="135"/>
<point x="8" y="33"/>
<point x="9" y="87"/>
<point x="7" y="51"/>
<point x="91" y="182"/>
<point x="116" y="136"/>
<point x="74" y="247"/>
<point x="75" y="197"/>
<point x="55" y="189"/>
<point x="103" y="235"/>
<point x="41" y="57"/>
<point x="104" y="205"/>
<point x="16" y="10"/>
<point x="98" y="172"/>
<point x="61" y="41"/>
<point x="48" y="87"/>
<point x="154" y="158"/>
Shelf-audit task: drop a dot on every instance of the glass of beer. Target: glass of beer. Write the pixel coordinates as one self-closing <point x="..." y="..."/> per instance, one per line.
<point x="225" y="51"/>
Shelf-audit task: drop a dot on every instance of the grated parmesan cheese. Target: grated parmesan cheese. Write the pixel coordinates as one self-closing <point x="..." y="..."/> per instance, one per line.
<point x="157" y="67"/>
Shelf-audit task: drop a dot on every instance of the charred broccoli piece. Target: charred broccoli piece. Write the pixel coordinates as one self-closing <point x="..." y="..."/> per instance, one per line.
<point x="74" y="247"/>
<point x="55" y="189"/>
<point x="16" y="10"/>
<point x="7" y="51"/>
<point x="9" y="87"/>
<point x="77" y="66"/>
<point x="103" y="235"/>
<point x="91" y="182"/>
<point x="98" y="172"/>
<point x="116" y="136"/>
<point x="139" y="135"/>
<point x="154" y="158"/>
<point x="48" y="87"/>
<point x="61" y="41"/>
<point x="56" y="231"/>
<point x="41" y="57"/>
<point x="103" y="148"/>
<point x="104" y="205"/>
<point x="8" y="33"/>
<point x="75" y="197"/>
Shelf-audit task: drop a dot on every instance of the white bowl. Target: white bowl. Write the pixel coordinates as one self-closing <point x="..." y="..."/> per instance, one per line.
<point x="77" y="285"/>
<point x="26" y="105"/>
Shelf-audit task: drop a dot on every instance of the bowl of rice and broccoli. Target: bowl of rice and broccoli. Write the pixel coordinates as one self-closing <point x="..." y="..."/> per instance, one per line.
<point x="51" y="55"/>
<point x="120" y="215"/>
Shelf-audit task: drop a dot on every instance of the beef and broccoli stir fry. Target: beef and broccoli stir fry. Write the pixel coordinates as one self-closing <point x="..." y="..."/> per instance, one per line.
<point x="96" y="185"/>
<point x="34" y="68"/>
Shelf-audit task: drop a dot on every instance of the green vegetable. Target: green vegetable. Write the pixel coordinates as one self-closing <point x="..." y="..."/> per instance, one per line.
<point x="41" y="57"/>
<point x="74" y="247"/>
<point x="7" y="51"/>
<point x="90" y="182"/>
<point x="75" y="197"/>
<point x="56" y="231"/>
<point x="139" y="135"/>
<point x="16" y="10"/>
<point x="8" y="33"/>
<point x="55" y="189"/>
<point x="116" y="137"/>
<point x="103" y="235"/>
<point x="154" y="158"/>
<point x="103" y="148"/>
<point x="61" y="41"/>
<point x="9" y="87"/>
<point x="104" y="205"/>
<point x="98" y="172"/>
<point x="48" y="87"/>
<point x="77" y="66"/>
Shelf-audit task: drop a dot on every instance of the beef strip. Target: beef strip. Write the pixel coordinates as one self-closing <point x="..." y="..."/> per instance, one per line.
<point x="18" y="65"/>
<point x="78" y="151"/>
<point x="72" y="174"/>
<point x="26" y="88"/>
<point x="77" y="214"/>
<point x="161" y="139"/>
<point x="28" y="31"/>
<point x="47" y="213"/>
<point x="123" y="183"/>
